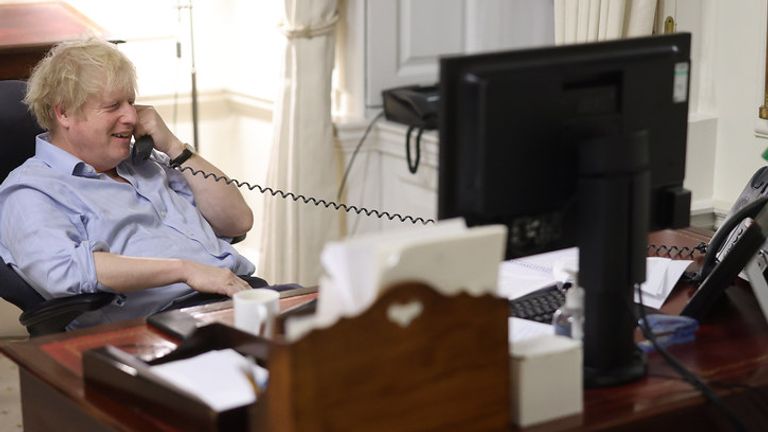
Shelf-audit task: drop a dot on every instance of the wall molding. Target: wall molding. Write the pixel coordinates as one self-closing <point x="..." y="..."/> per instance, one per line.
<point x="219" y="103"/>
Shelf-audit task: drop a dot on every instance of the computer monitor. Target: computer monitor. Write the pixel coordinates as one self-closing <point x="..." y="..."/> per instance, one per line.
<point x="573" y="145"/>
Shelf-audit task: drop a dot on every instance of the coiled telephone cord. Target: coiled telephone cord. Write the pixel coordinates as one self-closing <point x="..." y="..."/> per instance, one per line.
<point x="653" y="249"/>
<point x="305" y="199"/>
<point x="677" y="251"/>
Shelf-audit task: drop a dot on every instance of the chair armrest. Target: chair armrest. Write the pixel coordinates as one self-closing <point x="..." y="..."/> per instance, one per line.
<point x="53" y="316"/>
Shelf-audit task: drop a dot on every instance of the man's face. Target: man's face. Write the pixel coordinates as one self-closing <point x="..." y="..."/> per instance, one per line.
<point x="100" y="134"/>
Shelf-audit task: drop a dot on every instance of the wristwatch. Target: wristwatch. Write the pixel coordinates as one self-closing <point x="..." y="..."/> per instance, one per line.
<point x="186" y="154"/>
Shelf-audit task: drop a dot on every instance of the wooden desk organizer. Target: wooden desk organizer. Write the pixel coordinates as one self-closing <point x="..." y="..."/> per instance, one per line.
<point x="414" y="361"/>
<point x="125" y="379"/>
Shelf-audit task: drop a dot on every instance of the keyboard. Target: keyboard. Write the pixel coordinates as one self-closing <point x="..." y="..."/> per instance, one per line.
<point x="539" y="305"/>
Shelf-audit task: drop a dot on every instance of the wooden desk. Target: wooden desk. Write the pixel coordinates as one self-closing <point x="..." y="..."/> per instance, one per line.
<point x="53" y="394"/>
<point x="731" y="353"/>
<point x="29" y="30"/>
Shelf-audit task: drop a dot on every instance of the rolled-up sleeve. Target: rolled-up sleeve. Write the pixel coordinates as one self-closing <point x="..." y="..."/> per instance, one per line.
<point x="46" y="245"/>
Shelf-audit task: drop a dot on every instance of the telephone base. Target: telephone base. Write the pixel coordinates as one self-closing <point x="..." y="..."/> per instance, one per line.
<point x="755" y="274"/>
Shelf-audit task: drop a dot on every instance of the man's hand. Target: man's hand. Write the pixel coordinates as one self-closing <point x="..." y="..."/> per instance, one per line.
<point x="205" y="278"/>
<point x="150" y="123"/>
<point x="221" y="203"/>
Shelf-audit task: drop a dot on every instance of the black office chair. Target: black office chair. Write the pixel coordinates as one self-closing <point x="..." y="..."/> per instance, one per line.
<point x="17" y="132"/>
<point x="17" y="135"/>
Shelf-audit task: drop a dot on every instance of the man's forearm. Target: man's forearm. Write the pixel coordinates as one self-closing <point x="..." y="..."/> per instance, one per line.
<point x="221" y="204"/>
<point x="126" y="274"/>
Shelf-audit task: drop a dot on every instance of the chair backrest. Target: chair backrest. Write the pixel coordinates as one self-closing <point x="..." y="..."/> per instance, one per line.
<point x="16" y="290"/>
<point x="17" y="127"/>
<point x="17" y="143"/>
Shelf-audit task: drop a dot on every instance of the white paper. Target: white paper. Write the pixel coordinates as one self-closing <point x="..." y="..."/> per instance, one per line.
<point x="216" y="377"/>
<point x="353" y="267"/>
<point x="674" y="270"/>
<point x="655" y="275"/>
<point x="448" y="256"/>
<point x="522" y="276"/>
<point x="522" y="329"/>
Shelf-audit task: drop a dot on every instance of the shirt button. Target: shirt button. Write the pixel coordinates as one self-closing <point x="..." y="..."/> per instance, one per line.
<point x="119" y="300"/>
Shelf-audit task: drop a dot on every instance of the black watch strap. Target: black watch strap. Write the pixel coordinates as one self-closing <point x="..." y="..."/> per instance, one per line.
<point x="180" y="159"/>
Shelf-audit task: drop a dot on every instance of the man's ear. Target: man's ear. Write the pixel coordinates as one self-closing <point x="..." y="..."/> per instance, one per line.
<point x="63" y="116"/>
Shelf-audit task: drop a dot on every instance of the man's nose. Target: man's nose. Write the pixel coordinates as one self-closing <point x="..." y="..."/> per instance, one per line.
<point x="129" y="114"/>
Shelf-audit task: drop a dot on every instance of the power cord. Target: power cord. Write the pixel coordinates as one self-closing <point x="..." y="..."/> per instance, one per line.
<point x="684" y="373"/>
<point x="354" y="154"/>
<point x="413" y="164"/>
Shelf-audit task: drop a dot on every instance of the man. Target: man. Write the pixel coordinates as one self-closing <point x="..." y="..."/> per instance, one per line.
<point x="81" y="216"/>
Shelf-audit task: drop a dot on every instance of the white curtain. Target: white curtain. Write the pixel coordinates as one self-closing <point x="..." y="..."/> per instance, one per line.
<point x="304" y="156"/>
<point x="596" y="20"/>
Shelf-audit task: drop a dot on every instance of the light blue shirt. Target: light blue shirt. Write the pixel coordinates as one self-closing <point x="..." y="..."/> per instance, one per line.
<point x="56" y="210"/>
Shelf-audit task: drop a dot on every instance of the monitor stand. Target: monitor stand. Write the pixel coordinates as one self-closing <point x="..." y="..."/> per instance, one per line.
<point x="614" y="195"/>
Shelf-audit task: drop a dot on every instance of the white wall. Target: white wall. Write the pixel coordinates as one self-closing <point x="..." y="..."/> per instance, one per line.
<point x="739" y="33"/>
<point x="724" y="148"/>
<point x="705" y="142"/>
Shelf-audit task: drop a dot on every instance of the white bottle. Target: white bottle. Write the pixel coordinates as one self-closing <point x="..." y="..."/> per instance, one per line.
<point x="568" y="320"/>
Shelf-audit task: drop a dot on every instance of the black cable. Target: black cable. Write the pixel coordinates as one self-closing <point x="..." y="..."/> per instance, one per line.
<point x="684" y="373"/>
<point x="354" y="154"/>
<point x="413" y="166"/>
<point x="306" y="200"/>
<point x="755" y="394"/>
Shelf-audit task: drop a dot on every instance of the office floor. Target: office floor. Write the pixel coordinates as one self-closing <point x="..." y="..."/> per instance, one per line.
<point x="10" y="402"/>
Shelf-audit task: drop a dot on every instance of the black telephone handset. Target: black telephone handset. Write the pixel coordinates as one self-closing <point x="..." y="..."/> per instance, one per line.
<point x="734" y="244"/>
<point x="142" y="148"/>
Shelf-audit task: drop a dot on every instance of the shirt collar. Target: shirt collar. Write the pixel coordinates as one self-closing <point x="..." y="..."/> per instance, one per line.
<point x="60" y="159"/>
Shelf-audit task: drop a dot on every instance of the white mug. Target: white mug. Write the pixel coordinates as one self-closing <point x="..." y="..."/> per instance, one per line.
<point x="256" y="311"/>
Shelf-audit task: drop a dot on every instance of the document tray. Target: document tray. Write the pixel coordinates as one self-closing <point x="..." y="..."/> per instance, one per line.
<point x="416" y="360"/>
<point x="130" y="380"/>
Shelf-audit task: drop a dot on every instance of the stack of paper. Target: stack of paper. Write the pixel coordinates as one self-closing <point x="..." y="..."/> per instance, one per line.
<point x="448" y="256"/>
<point x="521" y="276"/>
<point x="223" y="379"/>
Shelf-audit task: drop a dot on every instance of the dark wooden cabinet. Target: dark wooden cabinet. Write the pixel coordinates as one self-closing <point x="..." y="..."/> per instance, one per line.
<point x="29" y="30"/>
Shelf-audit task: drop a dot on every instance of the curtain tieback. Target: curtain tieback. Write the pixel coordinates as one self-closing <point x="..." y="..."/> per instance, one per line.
<point x="307" y="32"/>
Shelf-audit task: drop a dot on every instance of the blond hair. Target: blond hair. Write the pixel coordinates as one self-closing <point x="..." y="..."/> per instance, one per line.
<point x="73" y="71"/>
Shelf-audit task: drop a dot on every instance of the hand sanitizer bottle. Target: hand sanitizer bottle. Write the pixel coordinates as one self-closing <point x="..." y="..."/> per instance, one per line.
<point x="568" y="320"/>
